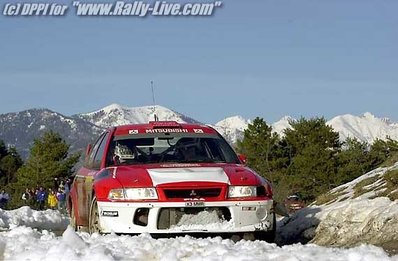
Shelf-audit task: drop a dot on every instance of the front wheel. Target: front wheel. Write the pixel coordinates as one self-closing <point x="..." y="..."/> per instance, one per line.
<point x="269" y="235"/>
<point x="93" y="222"/>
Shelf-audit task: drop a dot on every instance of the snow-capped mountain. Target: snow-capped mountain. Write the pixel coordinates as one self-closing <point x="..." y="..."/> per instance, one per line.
<point x="366" y="128"/>
<point x="232" y="128"/>
<point x="282" y="124"/>
<point x="116" y="114"/>
<point x="19" y="129"/>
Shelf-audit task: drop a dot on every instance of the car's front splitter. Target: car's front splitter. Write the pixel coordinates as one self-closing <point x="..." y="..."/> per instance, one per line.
<point x="235" y="216"/>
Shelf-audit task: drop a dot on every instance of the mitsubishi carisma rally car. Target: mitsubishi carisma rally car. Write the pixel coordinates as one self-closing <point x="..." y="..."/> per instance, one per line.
<point x="167" y="178"/>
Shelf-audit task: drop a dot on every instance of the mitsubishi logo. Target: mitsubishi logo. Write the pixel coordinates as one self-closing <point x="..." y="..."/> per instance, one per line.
<point x="193" y="193"/>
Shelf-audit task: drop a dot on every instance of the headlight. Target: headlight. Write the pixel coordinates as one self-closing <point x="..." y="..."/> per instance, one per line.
<point x="133" y="194"/>
<point x="242" y="191"/>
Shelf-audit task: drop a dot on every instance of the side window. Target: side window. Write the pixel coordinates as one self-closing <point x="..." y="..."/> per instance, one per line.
<point x="100" y="152"/>
<point x="90" y="159"/>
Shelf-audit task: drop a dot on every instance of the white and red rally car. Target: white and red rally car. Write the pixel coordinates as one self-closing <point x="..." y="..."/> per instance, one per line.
<point x="168" y="178"/>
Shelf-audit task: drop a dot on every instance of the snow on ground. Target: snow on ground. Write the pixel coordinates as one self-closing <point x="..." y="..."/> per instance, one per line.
<point x="347" y="220"/>
<point x="204" y="220"/>
<point x="25" y="239"/>
<point x="24" y="243"/>
<point x="25" y="216"/>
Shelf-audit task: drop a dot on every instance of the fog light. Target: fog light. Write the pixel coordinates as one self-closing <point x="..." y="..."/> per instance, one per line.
<point x="248" y="208"/>
<point x="261" y="213"/>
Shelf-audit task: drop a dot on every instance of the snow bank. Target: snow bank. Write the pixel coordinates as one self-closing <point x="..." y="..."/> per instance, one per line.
<point x="346" y="220"/>
<point x="351" y="222"/>
<point x="23" y="242"/>
<point x="33" y="245"/>
<point x="25" y="216"/>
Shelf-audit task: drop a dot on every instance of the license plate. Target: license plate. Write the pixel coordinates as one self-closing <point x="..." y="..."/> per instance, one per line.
<point x="195" y="204"/>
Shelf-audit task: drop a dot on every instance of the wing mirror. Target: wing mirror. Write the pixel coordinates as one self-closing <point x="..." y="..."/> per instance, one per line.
<point x="242" y="158"/>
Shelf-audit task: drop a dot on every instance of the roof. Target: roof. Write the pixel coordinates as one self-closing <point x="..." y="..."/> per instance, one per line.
<point x="163" y="127"/>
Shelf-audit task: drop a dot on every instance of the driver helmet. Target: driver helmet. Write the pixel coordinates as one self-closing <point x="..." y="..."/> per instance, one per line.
<point x="123" y="153"/>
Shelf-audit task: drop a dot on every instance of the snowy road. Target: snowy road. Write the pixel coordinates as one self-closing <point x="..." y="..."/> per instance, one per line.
<point x="26" y="238"/>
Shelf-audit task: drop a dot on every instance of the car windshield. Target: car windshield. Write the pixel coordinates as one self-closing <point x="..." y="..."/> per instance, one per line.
<point x="127" y="150"/>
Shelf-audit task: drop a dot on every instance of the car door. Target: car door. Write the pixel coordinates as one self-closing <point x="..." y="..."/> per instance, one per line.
<point x="85" y="176"/>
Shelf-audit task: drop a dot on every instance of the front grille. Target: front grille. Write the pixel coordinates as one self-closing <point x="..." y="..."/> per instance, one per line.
<point x="193" y="193"/>
<point x="170" y="217"/>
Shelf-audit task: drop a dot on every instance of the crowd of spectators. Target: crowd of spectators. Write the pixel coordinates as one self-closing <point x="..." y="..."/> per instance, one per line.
<point x="41" y="198"/>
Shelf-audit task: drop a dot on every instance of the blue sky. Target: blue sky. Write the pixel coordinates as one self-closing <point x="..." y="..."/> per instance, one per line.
<point x="253" y="58"/>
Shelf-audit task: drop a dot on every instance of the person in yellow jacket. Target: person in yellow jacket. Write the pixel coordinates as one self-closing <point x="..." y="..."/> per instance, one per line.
<point x="52" y="200"/>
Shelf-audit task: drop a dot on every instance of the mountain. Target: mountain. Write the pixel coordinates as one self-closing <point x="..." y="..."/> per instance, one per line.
<point x="19" y="129"/>
<point x="282" y="124"/>
<point x="365" y="128"/>
<point x="116" y="114"/>
<point x="232" y="128"/>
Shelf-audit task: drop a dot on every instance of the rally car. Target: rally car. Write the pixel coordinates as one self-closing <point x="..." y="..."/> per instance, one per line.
<point x="168" y="178"/>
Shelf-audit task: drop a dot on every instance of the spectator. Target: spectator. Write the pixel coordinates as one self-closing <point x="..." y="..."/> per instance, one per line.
<point x="33" y="201"/>
<point x="56" y="184"/>
<point x="41" y="197"/>
<point x="68" y="185"/>
<point x="4" y="198"/>
<point x="26" y="197"/>
<point x="62" y="184"/>
<point x="52" y="200"/>
<point x="61" y="197"/>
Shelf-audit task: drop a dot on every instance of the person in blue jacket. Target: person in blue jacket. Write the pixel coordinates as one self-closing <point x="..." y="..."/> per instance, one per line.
<point x="41" y="198"/>
<point x="4" y="198"/>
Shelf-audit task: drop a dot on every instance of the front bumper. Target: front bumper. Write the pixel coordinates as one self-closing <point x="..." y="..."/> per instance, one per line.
<point x="244" y="216"/>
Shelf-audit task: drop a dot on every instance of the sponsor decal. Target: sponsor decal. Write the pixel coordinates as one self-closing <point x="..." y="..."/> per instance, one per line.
<point x="249" y="208"/>
<point x="110" y="213"/>
<point x="133" y="131"/>
<point x="166" y="130"/>
<point x="114" y="172"/>
<point x="180" y="165"/>
<point x="198" y="131"/>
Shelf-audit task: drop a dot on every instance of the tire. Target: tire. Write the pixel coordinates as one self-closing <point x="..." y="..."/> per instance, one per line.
<point x="93" y="221"/>
<point x="269" y="235"/>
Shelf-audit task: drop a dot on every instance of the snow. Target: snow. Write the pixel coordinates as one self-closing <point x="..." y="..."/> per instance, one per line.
<point x="25" y="216"/>
<point x="116" y="114"/>
<point x="365" y="128"/>
<point x="346" y="220"/>
<point x="204" y="220"/>
<point x="29" y="235"/>
<point x="281" y="125"/>
<point x="232" y="128"/>
<point x="44" y="245"/>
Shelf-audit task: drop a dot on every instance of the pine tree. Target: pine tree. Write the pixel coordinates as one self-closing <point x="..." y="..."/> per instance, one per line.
<point x="9" y="164"/>
<point x="314" y="147"/>
<point x="259" y="145"/>
<point x="354" y="160"/>
<point x="48" y="159"/>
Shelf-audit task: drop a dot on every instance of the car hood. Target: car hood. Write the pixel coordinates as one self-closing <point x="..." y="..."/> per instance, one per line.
<point x="168" y="174"/>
